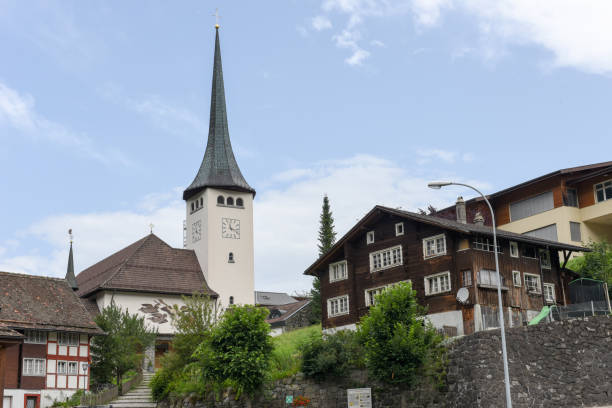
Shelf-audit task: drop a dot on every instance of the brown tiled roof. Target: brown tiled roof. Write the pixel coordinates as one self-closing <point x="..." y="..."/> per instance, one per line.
<point x="36" y="302"/>
<point x="6" y="333"/>
<point x="92" y="306"/>
<point x="148" y="265"/>
<point x="288" y="309"/>
<point x="470" y="229"/>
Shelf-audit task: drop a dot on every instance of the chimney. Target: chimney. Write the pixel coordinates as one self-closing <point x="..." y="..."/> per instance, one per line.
<point x="460" y="210"/>
<point x="478" y="218"/>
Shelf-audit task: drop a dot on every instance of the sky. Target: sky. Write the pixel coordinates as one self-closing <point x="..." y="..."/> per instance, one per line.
<point x="104" y="113"/>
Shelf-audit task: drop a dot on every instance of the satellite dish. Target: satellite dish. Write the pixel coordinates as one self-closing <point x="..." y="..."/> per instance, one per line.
<point x="463" y="295"/>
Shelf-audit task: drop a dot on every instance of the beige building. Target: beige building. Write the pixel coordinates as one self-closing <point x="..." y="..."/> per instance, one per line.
<point x="572" y="205"/>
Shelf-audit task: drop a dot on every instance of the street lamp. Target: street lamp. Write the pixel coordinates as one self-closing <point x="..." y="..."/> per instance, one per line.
<point x="439" y="184"/>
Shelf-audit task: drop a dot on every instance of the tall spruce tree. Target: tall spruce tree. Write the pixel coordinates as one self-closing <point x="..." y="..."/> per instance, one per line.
<point x="327" y="238"/>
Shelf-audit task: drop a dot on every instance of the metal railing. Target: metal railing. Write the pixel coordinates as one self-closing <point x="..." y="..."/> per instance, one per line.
<point x="105" y="396"/>
<point x="575" y="310"/>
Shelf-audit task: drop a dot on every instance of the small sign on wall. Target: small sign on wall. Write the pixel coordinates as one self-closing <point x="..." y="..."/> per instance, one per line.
<point x="289" y="399"/>
<point x="359" y="397"/>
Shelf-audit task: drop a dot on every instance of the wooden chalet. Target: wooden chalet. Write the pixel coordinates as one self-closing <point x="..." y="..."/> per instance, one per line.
<point x="440" y="257"/>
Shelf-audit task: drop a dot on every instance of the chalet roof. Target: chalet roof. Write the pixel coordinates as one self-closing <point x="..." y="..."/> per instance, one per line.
<point x="468" y="229"/>
<point x="148" y="265"/>
<point x="37" y="302"/>
<point x="219" y="167"/>
<point x="8" y="334"/>
<point x="273" y="298"/>
<point x="286" y="310"/>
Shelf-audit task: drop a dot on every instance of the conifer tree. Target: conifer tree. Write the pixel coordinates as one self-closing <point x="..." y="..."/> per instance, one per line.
<point x="327" y="238"/>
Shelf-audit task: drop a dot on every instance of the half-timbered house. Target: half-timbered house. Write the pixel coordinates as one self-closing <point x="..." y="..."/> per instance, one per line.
<point x="439" y="257"/>
<point x="47" y="333"/>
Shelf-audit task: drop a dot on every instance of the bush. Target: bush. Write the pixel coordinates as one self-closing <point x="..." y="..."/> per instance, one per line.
<point x="399" y="346"/>
<point x="160" y="384"/>
<point x="331" y="356"/>
<point x="286" y="359"/>
<point x="73" y="401"/>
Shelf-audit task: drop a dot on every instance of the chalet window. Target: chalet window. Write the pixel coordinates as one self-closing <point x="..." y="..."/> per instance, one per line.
<point x="338" y="306"/>
<point x="34" y="366"/>
<point x="532" y="283"/>
<point x="438" y="283"/>
<point x="549" y="292"/>
<point x="488" y="278"/>
<point x="531" y="206"/>
<point x="399" y="229"/>
<point x="603" y="191"/>
<point x="370" y="295"/>
<point x="370" y="237"/>
<point x="35" y="337"/>
<point x="73" y="367"/>
<point x="68" y="339"/>
<point x="337" y="271"/>
<point x="516" y="278"/>
<point x="545" y="258"/>
<point x="486" y="244"/>
<point x="529" y="251"/>
<point x="575" y="234"/>
<point x="386" y="258"/>
<point x="434" y="246"/>
<point x="239" y="202"/>
<point x="514" y="251"/>
<point x="467" y="278"/>
<point x="570" y="198"/>
<point x="62" y="367"/>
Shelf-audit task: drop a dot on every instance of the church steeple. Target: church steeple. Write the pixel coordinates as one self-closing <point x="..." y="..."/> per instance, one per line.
<point x="219" y="168"/>
<point x="70" y="278"/>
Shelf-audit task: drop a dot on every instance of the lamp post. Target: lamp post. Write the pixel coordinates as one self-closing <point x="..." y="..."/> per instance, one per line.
<point x="440" y="184"/>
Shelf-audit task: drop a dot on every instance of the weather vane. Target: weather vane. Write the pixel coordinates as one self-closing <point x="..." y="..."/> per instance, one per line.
<point x="151" y="226"/>
<point x="217" y="17"/>
<point x="70" y="235"/>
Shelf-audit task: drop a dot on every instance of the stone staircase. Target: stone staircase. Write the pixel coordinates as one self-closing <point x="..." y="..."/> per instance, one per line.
<point x="137" y="397"/>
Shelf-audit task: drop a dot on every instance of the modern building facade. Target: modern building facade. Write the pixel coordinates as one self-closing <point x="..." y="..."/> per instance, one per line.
<point x="449" y="263"/>
<point x="572" y="205"/>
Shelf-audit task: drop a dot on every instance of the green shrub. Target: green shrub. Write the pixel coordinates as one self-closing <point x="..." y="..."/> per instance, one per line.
<point x="399" y="346"/>
<point x="331" y="356"/>
<point x="286" y="358"/>
<point x="73" y="401"/>
<point x="160" y="384"/>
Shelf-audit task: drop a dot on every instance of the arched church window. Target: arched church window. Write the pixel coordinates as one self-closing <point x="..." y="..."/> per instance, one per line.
<point x="220" y="200"/>
<point x="231" y="300"/>
<point x="201" y="202"/>
<point x="192" y="207"/>
<point x="230" y="201"/>
<point x="231" y="257"/>
<point x="239" y="202"/>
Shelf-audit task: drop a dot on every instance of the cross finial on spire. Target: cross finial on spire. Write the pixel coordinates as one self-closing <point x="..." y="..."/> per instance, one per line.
<point x="151" y="226"/>
<point x="70" y="235"/>
<point x="217" y="17"/>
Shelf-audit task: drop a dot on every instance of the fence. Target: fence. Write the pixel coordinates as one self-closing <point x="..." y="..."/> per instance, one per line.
<point x="109" y="394"/>
<point x="584" y="309"/>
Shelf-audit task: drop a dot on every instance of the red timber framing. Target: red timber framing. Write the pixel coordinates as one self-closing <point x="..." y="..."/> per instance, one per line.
<point x="31" y="396"/>
<point x="61" y="359"/>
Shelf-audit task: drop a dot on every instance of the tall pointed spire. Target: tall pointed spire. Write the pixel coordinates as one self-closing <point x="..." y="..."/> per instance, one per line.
<point x="70" y="278"/>
<point x="219" y="168"/>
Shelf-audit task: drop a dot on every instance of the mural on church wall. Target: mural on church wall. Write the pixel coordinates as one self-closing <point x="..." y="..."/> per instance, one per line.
<point x="159" y="312"/>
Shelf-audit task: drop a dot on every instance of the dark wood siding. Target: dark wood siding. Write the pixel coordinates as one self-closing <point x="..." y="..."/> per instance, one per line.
<point x="12" y="367"/>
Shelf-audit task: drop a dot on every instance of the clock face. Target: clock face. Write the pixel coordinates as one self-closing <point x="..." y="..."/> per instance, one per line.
<point x="230" y="228"/>
<point x="196" y="231"/>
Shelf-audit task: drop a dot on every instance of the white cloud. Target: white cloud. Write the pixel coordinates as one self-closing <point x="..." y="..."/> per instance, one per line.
<point x="378" y="43"/>
<point x="349" y="39"/>
<point x="286" y="220"/>
<point x="18" y="111"/>
<point x="321" y="23"/>
<point x="427" y="155"/>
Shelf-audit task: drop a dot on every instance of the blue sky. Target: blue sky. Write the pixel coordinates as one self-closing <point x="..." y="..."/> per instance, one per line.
<point x="104" y="113"/>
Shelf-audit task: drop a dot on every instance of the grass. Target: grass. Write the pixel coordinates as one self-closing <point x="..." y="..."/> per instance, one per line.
<point x="286" y="358"/>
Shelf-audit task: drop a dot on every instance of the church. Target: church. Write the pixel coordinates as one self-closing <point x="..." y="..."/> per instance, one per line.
<point x="149" y="276"/>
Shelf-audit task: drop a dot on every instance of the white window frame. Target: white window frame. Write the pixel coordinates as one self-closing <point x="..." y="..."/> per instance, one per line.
<point x="75" y="370"/>
<point x="546" y="263"/>
<point x="538" y="281"/>
<point x="67" y="339"/>
<point x="486" y="244"/>
<point x="491" y="276"/>
<point x="550" y="286"/>
<point x="62" y="367"/>
<point x="38" y="367"/>
<point x="399" y="229"/>
<point x="438" y="276"/>
<point x="517" y="283"/>
<point x="435" y="251"/>
<point x="370" y="237"/>
<point x="392" y="255"/>
<point x="464" y="273"/>
<point x="514" y="249"/>
<point x="331" y="271"/>
<point x="35" y="337"/>
<point x="603" y="187"/>
<point x="367" y="292"/>
<point x="339" y="313"/>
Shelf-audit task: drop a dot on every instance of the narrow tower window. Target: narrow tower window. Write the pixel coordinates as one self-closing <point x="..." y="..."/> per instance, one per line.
<point x="239" y="202"/>
<point x="231" y="257"/>
<point x="201" y="202"/>
<point x="230" y="201"/>
<point x="231" y="300"/>
<point x="192" y="207"/>
<point x="220" y="200"/>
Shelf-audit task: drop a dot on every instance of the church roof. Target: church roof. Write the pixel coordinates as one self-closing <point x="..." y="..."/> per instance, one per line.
<point x="37" y="302"/>
<point x="219" y="167"/>
<point x="148" y="265"/>
<point x="273" y="298"/>
<point x="70" y="278"/>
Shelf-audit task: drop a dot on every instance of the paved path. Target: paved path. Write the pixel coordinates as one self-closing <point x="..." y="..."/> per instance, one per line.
<point x="138" y="397"/>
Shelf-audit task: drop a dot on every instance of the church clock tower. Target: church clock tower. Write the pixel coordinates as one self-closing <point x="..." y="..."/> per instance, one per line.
<point x="219" y="202"/>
